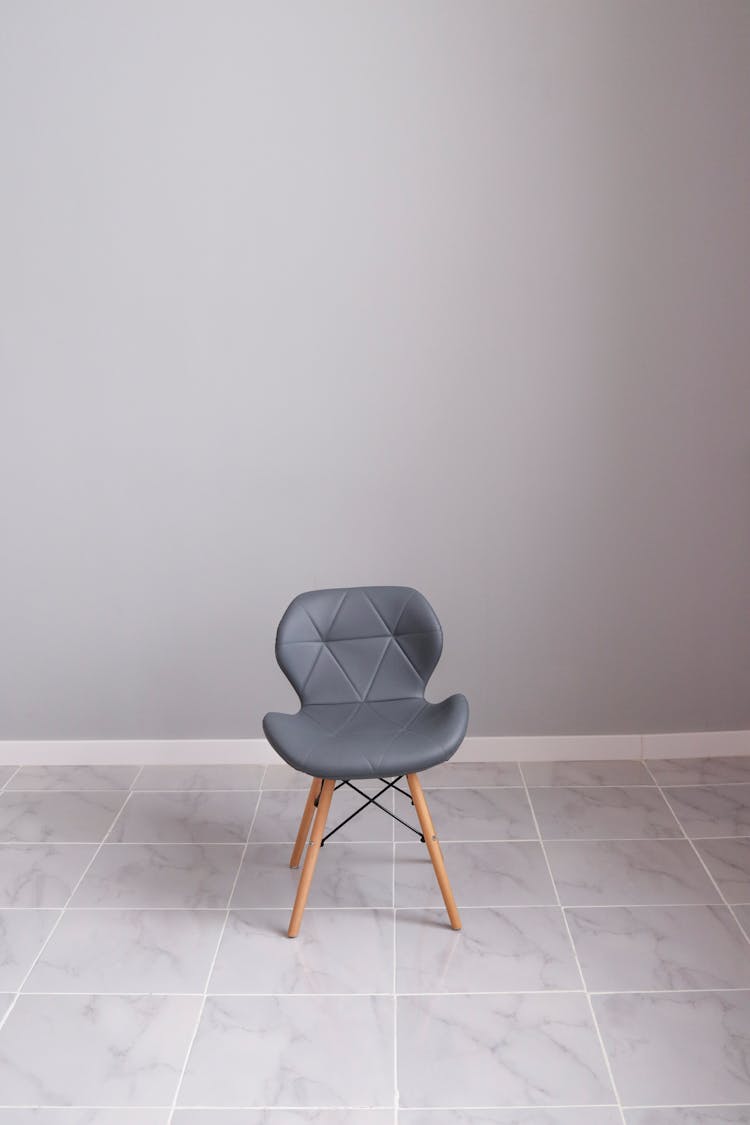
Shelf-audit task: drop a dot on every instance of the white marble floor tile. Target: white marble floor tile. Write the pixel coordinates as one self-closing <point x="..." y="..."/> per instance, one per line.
<point x="196" y="817"/>
<point x="715" y="810"/>
<point x="95" y="1050"/>
<point x="6" y="773"/>
<point x="30" y="778"/>
<point x="498" y="950"/>
<point x="346" y="875"/>
<point x="266" y="880"/>
<point x="604" y="813"/>
<point x="38" y="817"/>
<point x="623" y="948"/>
<point x="628" y="872"/>
<point x="283" y="1117"/>
<point x="690" y="1115"/>
<point x="97" y="1115"/>
<point x="470" y="775"/>
<point x="699" y="771"/>
<point x="22" y="935"/>
<point x="476" y="814"/>
<point x="743" y="915"/>
<point x="690" y="1048"/>
<point x="729" y="863"/>
<point x="335" y="951"/>
<point x="281" y="776"/>
<point x="129" y="951"/>
<point x="502" y="874"/>
<point x="41" y="874"/>
<point x="280" y="812"/>
<point x="305" y="1050"/>
<point x="200" y="777"/>
<point x="625" y="772"/>
<point x="580" y="1115"/>
<point x="6" y="999"/>
<point x="187" y="875"/>
<point x="505" y="1050"/>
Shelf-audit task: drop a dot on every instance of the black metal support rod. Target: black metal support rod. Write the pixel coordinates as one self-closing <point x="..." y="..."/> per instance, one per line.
<point x="398" y="788"/>
<point x="385" y="810"/>
<point x="371" y="801"/>
<point x="368" y="801"/>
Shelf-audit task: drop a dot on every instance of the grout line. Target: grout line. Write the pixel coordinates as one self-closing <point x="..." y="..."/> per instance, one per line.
<point x="702" y="784"/>
<point x="219" y="1110"/>
<point x="305" y="996"/>
<point x="40" y="792"/>
<point x="555" y="840"/>
<point x="415" y="908"/>
<point x="411" y="1109"/>
<point x="379" y="1108"/>
<point x="427" y="788"/>
<point x="467" y="841"/>
<point x="340" y="843"/>
<point x="676" y="838"/>
<point x="211" y="843"/>
<point x="202" y="1005"/>
<point x="590" y="785"/>
<point x="701" y="860"/>
<point x="85" y="872"/>
<point x="383" y="1109"/>
<point x="603" y="1049"/>
<point x="8" y="780"/>
<point x="625" y="785"/>
<point x="477" y="785"/>
<point x="694" y="1105"/>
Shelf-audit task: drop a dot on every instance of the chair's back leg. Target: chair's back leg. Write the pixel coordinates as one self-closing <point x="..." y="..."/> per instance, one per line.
<point x="311" y="858"/>
<point x="304" y="824"/>
<point x="433" y="846"/>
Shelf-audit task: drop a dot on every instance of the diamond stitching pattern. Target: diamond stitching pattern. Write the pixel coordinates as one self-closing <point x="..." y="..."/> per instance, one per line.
<point x="377" y="612"/>
<point x="333" y="677"/>
<point x="361" y="680"/>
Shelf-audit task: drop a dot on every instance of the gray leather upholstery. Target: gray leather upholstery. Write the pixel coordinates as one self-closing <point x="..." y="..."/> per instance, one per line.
<point x="360" y="659"/>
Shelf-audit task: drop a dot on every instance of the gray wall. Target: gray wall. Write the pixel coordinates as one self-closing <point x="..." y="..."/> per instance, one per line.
<point x="446" y="294"/>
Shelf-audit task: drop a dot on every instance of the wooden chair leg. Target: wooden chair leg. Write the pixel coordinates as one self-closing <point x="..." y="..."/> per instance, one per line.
<point x="433" y="846"/>
<point x="311" y="858"/>
<point x="304" y="824"/>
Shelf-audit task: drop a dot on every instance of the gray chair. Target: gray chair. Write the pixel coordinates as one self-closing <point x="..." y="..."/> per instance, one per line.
<point x="359" y="660"/>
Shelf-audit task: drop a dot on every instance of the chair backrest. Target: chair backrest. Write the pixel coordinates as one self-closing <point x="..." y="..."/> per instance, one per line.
<point x="367" y="642"/>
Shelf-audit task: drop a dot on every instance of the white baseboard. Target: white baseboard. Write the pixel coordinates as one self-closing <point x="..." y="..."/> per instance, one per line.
<point x="550" y="748"/>
<point x="563" y="748"/>
<point x="697" y="744"/>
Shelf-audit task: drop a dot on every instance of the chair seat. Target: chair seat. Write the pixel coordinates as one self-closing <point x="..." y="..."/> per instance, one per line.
<point x="369" y="738"/>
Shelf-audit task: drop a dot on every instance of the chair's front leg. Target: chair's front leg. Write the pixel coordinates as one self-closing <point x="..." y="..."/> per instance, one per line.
<point x="433" y="846"/>
<point x="304" y="824"/>
<point x="308" y="870"/>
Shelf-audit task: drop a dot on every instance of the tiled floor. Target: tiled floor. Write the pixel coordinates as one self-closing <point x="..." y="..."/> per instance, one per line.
<point x="602" y="976"/>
